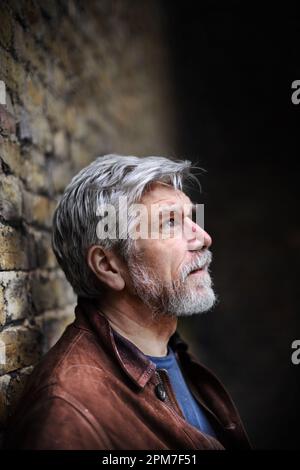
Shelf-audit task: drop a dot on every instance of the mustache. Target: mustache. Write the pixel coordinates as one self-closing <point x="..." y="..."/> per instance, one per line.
<point x="200" y="260"/>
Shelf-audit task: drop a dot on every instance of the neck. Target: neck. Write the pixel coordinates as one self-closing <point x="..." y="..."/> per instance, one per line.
<point x="134" y="321"/>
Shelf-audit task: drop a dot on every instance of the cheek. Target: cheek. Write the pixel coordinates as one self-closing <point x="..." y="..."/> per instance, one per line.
<point x="170" y="259"/>
<point x="160" y="261"/>
<point x="179" y="257"/>
<point x="165" y="257"/>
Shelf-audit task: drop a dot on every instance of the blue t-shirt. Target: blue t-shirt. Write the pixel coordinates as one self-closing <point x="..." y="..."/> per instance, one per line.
<point x="192" y="411"/>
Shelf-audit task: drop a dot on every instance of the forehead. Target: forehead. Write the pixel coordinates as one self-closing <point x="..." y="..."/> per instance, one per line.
<point x="160" y="194"/>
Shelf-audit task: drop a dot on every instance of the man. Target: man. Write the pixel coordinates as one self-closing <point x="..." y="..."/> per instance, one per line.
<point x="120" y="377"/>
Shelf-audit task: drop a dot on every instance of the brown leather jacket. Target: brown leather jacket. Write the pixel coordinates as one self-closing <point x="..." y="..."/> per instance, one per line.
<point x="96" y="390"/>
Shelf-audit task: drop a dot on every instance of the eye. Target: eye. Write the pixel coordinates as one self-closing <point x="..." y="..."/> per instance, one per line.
<point x="169" y="222"/>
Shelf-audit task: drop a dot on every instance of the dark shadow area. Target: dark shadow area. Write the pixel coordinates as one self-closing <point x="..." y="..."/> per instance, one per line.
<point x="233" y="68"/>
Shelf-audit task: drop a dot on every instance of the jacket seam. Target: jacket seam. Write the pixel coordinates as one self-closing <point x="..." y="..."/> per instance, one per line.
<point x="69" y="349"/>
<point x="77" y="407"/>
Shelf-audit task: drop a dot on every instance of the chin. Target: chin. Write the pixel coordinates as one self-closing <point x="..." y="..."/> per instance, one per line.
<point x="195" y="303"/>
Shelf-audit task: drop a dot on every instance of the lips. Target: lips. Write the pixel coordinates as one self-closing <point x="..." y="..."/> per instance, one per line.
<point x="196" y="271"/>
<point x="199" y="270"/>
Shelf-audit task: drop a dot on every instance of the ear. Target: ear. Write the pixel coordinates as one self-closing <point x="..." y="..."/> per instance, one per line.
<point x="106" y="266"/>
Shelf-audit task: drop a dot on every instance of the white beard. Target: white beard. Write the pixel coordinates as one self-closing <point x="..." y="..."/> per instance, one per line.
<point x="187" y="295"/>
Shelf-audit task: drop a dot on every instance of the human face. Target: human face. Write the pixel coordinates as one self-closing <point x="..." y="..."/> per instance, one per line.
<point x="161" y="268"/>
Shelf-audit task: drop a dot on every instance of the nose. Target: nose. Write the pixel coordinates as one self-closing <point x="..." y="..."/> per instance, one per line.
<point x="198" y="238"/>
<point x="207" y="239"/>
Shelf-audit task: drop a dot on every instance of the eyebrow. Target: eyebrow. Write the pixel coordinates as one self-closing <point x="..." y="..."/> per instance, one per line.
<point x="174" y="207"/>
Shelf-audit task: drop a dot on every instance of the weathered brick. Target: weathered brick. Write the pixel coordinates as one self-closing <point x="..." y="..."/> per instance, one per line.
<point x="45" y="254"/>
<point x="16" y="301"/>
<point x="59" y="50"/>
<point x="9" y="104"/>
<point x="12" y="72"/>
<point x="10" y="154"/>
<point x="51" y="291"/>
<point x="38" y="209"/>
<point x="4" y="383"/>
<point x="56" y="79"/>
<point x="20" y="40"/>
<point x="71" y="119"/>
<point x="33" y="95"/>
<point x="13" y="249"/>
<point x="60" y="144"/>
<point x="24" y="130"/>
<point x="2" y="307"/>
<point x="7" y="25"/>
<point x="22" y="345"/>
<point x="16" y="386"/>
<point x="27" y="50"/>
<point x="10" y="198"/>
<point x="11" y="388"/>
<point x="34" y="155"/>
<point x="80" y="155"/>
<point x="41" y="132"/>
<point x="56" y="111"/>
<point x="53" y="323"/>
<point x="36" y="178"/>
<point x="27" y="12"/>
<point x="7" y="122"/>
<point x="61" y="174"/>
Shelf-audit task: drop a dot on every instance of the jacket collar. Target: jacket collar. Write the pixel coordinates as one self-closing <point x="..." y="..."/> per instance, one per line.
<point x="132" y="360"/>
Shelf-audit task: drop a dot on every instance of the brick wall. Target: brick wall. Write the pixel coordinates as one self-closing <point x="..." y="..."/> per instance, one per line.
<point x="80" y="81"/>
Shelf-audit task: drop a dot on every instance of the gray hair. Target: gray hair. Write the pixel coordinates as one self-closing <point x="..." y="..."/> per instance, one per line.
<point x="102" y="182"/>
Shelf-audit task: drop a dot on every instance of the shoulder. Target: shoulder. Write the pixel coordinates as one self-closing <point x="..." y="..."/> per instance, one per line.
<point x="54" y="408"/>
<point x="68" y="369"/>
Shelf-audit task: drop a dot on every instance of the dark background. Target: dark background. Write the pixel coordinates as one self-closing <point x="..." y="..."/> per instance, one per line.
<point x="233" y="67"/>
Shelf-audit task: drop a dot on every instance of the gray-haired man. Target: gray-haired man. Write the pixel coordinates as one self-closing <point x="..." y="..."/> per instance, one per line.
<point x="121" y="377"/>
